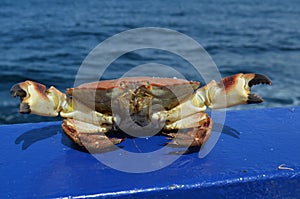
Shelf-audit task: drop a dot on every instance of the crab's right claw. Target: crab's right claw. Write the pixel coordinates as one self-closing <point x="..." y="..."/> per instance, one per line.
<point x="235" y="90"/>
<point x="36" y="99"/>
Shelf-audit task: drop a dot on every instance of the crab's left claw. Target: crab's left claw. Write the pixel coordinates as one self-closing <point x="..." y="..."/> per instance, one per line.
<point x="234" y="90"/>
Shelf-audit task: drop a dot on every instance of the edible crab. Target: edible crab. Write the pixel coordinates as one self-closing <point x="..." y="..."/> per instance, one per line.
<point x="95" y="113"/>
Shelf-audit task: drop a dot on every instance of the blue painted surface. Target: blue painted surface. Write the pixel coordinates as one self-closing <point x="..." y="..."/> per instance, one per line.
<point x="37" y="161"/>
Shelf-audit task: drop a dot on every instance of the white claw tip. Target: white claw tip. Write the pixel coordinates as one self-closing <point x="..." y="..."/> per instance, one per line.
<point x="284" y="167"/>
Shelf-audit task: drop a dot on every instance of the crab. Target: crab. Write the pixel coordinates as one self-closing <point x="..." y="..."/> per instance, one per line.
<point x="95" y="114"/>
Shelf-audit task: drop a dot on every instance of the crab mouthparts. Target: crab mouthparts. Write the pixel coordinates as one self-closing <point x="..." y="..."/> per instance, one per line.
<point x="258" y="79"/>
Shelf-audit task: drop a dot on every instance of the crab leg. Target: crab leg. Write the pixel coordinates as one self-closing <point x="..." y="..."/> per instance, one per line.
<point x="189" y="122"/>
<point x="36" y="99"/>
<point x="195" y="136"/>
<point x="89" y="136"/>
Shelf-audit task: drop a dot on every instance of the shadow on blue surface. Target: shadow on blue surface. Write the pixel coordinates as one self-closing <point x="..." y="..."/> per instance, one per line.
<point x="32" y="136"/>
<point x="228" y="130"/>
<point x="35" y="135"/>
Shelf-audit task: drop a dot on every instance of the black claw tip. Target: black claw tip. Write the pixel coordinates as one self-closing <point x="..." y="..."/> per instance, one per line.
<point x="259" y="79"/>
<point x="17" y="91"/>
<point x="24" y="108"/>
<point x="253" y="99"/>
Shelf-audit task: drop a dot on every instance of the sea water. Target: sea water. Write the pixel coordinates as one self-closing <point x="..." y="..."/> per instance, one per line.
<point x="47" y="41"/>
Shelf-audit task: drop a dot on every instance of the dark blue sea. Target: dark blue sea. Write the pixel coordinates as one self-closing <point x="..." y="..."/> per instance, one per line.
<point x="47" y="41"/>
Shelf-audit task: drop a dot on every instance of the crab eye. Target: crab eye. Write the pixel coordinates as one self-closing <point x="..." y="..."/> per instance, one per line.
<point x="122" y="84"/>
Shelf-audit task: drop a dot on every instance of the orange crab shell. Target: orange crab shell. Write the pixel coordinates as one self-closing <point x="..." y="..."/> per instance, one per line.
<point x="168" y="92"/>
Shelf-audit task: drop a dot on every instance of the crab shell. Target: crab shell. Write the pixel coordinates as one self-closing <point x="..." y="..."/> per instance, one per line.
<point x="138" y="92"/>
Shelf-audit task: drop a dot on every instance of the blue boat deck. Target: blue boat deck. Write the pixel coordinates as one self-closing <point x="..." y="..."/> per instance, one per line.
<point x="38" y="161"/>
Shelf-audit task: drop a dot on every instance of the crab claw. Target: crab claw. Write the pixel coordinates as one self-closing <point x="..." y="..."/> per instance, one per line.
<point x="36" y="99"/>
<point x="235" y="90"/>
<point x="17" y="91"/>
<point x="251" y="80"/>
<point x="254" y="80"/>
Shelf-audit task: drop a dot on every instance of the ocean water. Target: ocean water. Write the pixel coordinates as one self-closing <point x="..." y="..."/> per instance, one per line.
<point x="46" y="41"/>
